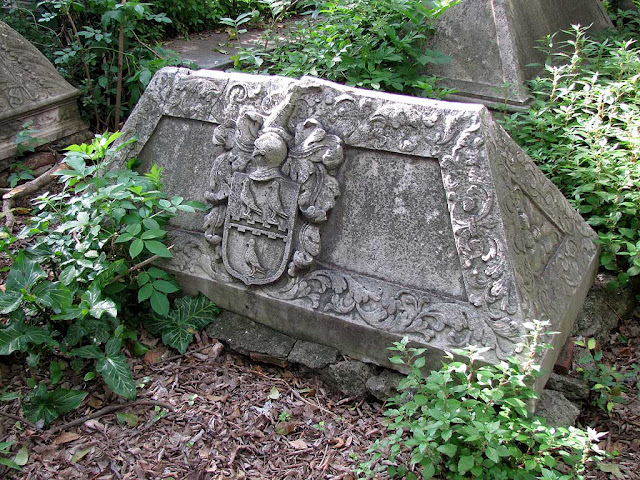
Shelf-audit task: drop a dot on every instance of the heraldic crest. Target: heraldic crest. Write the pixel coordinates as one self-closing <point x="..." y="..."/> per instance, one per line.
<point x="270" y="190"/>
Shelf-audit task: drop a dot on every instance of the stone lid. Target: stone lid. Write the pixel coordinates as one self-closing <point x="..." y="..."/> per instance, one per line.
<point x="28" y="81"/>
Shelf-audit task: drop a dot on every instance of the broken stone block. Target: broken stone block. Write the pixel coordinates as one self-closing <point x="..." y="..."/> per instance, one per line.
<point x="353" y="218"/>
<point x="312" y="355"/>
<point x="31" y="89"/>
<point x="348" y="377"/>
<point x="492" y="44"/>
<point x="384" y="385"/>
<point x="554" y="407"/>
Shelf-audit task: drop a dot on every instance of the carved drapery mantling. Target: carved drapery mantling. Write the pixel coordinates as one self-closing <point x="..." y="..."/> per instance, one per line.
<point x="270" y="188"/>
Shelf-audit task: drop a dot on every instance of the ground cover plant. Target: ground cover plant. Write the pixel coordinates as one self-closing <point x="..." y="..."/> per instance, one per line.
<point x="583" y="131"/>
<point x="469" y="420"/>
<point x="378" y="45"/>
<point x="74" y="292"/>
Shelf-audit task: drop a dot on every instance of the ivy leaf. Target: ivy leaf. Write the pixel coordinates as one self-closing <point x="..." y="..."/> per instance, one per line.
<point x="86" y="351"/>
<point x="43" y="406"/>
<point x="115" y="371"/>
<point x="53" y="295"/>
<point x="177" y="336"/>
<point x="9" y="301"/>
<point x="24" y="273"/>
<point x="19" y="336"/>
<point x="198" y="311"/>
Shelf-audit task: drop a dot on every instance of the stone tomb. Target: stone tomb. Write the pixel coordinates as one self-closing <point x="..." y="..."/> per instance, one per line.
<point x="31" y="89"/>
<point x="352" y="218"/>
<point x="493" y="43"/>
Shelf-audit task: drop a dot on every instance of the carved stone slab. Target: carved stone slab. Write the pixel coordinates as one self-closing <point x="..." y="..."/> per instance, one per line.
<point x="493" y="43"/>
<point x="353" y="218"/>
<point x="32" y="89"/>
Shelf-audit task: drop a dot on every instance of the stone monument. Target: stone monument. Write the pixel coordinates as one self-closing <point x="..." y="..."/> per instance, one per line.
<point x="352" y="218"/>
<point x="492" y="44"/>
<point x="32" y="89"/>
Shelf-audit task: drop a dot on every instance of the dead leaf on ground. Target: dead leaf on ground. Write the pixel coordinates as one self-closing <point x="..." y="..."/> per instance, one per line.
<point x="66" y="437"/>
<point x="299" y="444"/>
<point x="152" y="356"/>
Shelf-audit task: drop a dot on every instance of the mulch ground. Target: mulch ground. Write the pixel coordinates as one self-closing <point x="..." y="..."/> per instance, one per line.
<point x="213" y="414"/>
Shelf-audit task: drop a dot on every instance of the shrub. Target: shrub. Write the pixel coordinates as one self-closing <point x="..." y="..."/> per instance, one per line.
<point x="82" y="38"/>
<point x="378" y="45"/>
<point x="74" y="289"/>
<point x="583" y="131"/>
<point x="471" y="421"/>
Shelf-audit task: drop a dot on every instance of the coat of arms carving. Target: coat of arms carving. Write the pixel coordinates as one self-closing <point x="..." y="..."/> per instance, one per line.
<point x="270" y="189"/>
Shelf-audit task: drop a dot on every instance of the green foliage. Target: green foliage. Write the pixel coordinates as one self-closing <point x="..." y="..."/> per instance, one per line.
<point x="87" y="265"/>
<point x="43" y="407"/>
<point x="606" y="381"/>
<point x="86" y="49"/>
<point x="25" y="140"/>
<point x="189" y="315"/>
<point x="377" y="45"/>
<point x="5" y="452"/>
<point x="469" y="420"/>
<point x="583" y="132"/>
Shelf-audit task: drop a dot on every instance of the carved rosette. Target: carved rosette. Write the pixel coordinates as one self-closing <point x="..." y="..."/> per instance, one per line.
<point x="271" y="187"/>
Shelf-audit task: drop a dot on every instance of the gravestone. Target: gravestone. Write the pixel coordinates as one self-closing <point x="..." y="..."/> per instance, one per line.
<point x="493" y="43"/>
<point x="352" y="218"/>
<point x="31" y="89"/>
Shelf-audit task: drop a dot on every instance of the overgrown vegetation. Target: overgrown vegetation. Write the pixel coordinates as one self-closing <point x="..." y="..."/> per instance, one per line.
<point x="469" y="420"/>
<point x="583" y="131"/>
<point x="105" y="48"/>
<point x="378" y="45"/>
<point x="74" y="290"/>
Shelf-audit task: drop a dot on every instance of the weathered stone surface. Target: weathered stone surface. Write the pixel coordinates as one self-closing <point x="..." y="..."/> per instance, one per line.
<point x="492" y="44"/>
<point x="554" y="407"/>
<point x="384" y="385"/>
<point x="352" y="218"/>
<point x="603" y="309"/>
<point x="246" y="336"/>
<point x="32" y="89"/>
<point x="574" y="389"/>
<point x="349" y="377"/>
<point x="312" y="355"/>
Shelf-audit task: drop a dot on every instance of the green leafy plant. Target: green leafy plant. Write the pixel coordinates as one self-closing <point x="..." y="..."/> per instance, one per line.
<point x="606" y="381"/>
<point x="235" y="24"/>
<point x="5" y="453"/>
<point x="583" y="131"/>
<point x="189" y="315"/>
<point x="470" y="420"/>
<point x="377" y="45"/>
<point x="74" y="288"/>
<point x="104" y="47"/>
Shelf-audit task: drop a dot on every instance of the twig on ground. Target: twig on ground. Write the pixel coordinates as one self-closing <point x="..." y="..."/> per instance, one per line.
<point x="293" y="390"/>
<point x="19" y="419"/>
<point x="108" y="410"/>
<point x="10" y="195"/>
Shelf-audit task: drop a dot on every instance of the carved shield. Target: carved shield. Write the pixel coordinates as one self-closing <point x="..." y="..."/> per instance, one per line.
<point x="258" y="229"/>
